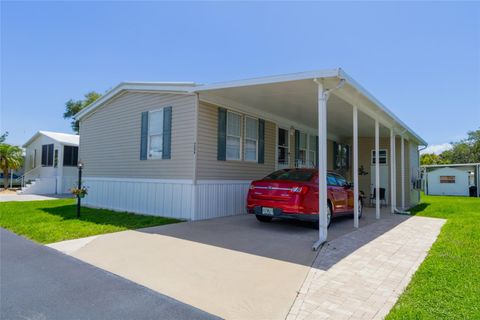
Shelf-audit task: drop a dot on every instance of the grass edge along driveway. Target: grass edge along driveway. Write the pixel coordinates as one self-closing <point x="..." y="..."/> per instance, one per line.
<point x="447" y="284"/>
<point x="49" y="221"/>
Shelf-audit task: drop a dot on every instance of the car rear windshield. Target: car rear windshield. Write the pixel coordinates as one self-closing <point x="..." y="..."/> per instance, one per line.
<point x="291" y="175"/>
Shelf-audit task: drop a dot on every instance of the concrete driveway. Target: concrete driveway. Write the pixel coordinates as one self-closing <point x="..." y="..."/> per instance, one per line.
<point x="37" y="282"/>
<point x="233" y="267"/>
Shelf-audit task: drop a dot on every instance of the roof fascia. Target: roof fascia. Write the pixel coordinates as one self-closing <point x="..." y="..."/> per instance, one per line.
<point x="329" y="73"/>
<point x="178" y="88"/>
<point x="35" y="136"/>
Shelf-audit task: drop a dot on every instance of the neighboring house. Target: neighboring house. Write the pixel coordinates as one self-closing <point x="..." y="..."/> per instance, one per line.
<point x="50" y="163"/>
<point x="190" y="151"/>
<point x="451" y="179"/>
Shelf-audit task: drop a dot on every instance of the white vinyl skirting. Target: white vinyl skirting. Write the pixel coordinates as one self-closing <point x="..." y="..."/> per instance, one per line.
<point x="168" y="198"/>
<point x="220" y="198"/>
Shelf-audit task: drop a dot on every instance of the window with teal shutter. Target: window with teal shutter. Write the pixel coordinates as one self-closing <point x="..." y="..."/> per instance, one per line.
<point x="156" y="134"/>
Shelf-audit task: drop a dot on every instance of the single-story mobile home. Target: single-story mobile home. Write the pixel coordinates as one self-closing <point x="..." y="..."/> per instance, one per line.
<point x="452" y="179"/>
<point x="190" y="151"/>
<point x="50" y="163"/>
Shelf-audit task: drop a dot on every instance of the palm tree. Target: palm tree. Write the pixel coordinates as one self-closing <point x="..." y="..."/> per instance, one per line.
<point x="11" y="158"/>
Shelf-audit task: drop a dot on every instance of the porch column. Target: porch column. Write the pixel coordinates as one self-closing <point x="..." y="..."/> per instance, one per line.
<point x="402" y="167"/>
<point x="355" y="166"/>
<point x="377" y="169"/>
<point x="322" y="166"/>
<point x="393" y="173"/>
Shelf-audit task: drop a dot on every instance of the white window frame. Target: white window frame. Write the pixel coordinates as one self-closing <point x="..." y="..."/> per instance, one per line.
<point x="305" y="150"/>
<point x="287" y="147"/>
<point x="240" y="137"/>
<point x="245" y="136"/>
<point x="380" y="157"/>
<point x="149" y="134"/>
<point x="447" y="179"/>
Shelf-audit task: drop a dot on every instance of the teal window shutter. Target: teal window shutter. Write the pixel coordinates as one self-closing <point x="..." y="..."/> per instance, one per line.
<point x="144" y="136"/>
<point x="222" y="135"/>
<point x="167" y="133"/>
<point x="261" y="141"/>
<point x="335" y="156"/>
<point x="297" y="146"/>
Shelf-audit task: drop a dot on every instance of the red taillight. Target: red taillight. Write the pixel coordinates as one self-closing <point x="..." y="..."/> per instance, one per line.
<point x="299" y="190"/>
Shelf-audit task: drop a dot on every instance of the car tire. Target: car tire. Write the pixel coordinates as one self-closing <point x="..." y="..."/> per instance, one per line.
<point x="263" y="218"/>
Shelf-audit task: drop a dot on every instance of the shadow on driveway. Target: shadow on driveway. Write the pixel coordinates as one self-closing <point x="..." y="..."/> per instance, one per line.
<point x="40" y="283"/>
<point x="285" y="240"/>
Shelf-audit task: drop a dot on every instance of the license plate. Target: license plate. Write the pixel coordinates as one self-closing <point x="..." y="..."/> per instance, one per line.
<point x="267" y="211"/>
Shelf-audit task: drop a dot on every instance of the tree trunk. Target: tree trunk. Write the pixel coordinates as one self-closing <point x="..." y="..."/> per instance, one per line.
<point x="5" y="179"/>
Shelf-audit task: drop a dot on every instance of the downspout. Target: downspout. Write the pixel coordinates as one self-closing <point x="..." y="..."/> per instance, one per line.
<point x="421" y="149"/>
<point x="327" y="92"/>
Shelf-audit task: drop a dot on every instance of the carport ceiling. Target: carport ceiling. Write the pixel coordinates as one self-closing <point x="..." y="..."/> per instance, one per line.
<point x="296" y="101"/>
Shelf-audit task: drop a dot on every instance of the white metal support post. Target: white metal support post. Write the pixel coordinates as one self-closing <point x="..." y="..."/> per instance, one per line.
<point x="402" y="167"/>
<point x="322" y="166"/>
<point x="393" y="172"/>
<point x="377" y="169"/>
<point x="355" y="166"/>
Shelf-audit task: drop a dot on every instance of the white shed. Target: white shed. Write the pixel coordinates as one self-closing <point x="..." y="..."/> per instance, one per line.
<point x="50" y="163"/>
<point x="451" y="180"/>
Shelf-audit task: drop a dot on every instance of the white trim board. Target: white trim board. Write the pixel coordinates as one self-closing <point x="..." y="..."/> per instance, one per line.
<point x="223" y="181"/>
<point x="175" y="181"/>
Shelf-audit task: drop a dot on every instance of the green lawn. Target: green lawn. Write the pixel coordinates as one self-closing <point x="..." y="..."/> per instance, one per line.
<point x="55" y="220"/>
<point x="447" y="284"/>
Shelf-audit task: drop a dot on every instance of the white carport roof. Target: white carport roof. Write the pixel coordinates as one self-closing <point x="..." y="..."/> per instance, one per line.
<point x="62" y="138"/>
<point x="291" y="96"/>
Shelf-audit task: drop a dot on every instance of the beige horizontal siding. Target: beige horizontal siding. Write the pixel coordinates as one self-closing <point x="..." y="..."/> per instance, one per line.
<point x="365" y="147"/>
<point x="110" y="138"/>
<point x="210" y="168"/>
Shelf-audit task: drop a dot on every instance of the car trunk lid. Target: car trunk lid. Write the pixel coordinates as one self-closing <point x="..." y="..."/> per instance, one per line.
<point x="275" y="190"/>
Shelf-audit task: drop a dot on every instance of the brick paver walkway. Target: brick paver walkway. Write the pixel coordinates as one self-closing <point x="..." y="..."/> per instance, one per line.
<point x="361" y="275"/>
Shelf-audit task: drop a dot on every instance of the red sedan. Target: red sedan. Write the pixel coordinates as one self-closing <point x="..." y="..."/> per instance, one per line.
<point x="293" y="193"/>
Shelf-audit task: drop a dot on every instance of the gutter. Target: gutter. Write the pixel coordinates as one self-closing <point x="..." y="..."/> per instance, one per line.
<point x="342" y="74"/>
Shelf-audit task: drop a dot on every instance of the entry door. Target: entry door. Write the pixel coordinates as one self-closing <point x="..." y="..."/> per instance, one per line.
<point x="384" y="172"/>
<point x="283" y="149"/>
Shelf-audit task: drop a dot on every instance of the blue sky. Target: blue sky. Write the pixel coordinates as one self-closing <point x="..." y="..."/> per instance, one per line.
<point x="421" y="59"/>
